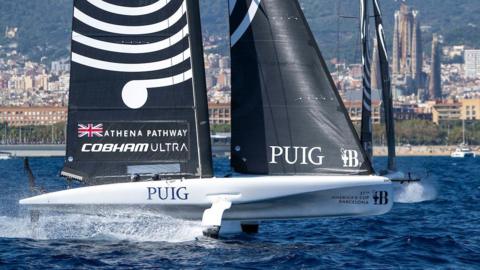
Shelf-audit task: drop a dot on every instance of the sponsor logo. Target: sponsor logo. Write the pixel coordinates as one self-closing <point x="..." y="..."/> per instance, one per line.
<point x="167" y="193"/>
<point x="296" y="155"/>
<point x="167" y="141"/>
<point x="361" y="198"/>
<point x="135" y="92"/>
<point x="133" y="147"/>
<point x="90" y="130"/>
<point x="149" y="133"/>
<point x="350" y="158"/>
<point x="380" y="197"/>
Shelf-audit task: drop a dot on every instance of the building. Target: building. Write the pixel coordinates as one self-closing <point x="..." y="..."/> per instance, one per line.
<point x="453" y="51"/>
<point x="11" y="32"/>
<point x="407" y="53"/>
<point x="472" y="63"/>
<point x="224" y="78"/>
<point x="446" y="111"/>
<point x="354" y="108"/>
<point x="224" y="62"/>
<point x="353" y="102"/>
<point x="32" y="116"/>
<point x="435" y="78"/>
<point x="58" y="67"/>
<point x="220" y="113"/>
<point x="470" y="109"/>
<point x="402" y="112"/>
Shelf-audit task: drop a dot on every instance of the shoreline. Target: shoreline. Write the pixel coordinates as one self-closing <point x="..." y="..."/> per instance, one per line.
<point x="58" y="150"/>
<point x="424" y="150"/>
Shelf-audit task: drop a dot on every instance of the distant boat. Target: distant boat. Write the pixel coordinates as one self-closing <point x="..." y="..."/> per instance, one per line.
<point x="5" y="155"/>
<point x="463" y="150"/>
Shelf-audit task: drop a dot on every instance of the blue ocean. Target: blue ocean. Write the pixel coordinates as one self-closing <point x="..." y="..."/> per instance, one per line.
<point x="434" y="225"/>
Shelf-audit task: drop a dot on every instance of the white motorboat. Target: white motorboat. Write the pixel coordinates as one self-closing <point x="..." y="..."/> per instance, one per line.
<point x="5" y="155"/>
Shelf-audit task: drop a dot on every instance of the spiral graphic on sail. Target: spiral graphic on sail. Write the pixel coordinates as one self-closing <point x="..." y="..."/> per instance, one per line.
<point x="151" y="41"/>
<point x="244" y="23"/>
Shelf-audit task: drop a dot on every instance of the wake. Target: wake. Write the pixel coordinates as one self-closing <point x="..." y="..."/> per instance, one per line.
<point x="415" y="192"/>
<point x="114" y="226"/>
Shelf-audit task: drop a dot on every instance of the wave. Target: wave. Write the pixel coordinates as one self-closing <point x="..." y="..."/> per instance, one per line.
<point x="115" y="226"/>
<point x="415" y="192"/>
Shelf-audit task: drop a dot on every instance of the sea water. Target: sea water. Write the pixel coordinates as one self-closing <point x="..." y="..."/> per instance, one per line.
<point x="435" y="224"/>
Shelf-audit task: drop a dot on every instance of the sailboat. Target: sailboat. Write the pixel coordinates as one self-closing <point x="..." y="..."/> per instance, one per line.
<point x="391" y="171"/>
<point x="138" y="129"/>
<point x="463" y="150"/>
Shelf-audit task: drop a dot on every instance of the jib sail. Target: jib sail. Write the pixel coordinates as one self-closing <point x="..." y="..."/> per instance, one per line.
<point x="138" y="102"/>
<point x="287" y="115"/>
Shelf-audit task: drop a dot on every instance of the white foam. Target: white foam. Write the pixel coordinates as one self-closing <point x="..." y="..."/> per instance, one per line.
<point x="121" y="226"/>
<point x="415" y="192"/>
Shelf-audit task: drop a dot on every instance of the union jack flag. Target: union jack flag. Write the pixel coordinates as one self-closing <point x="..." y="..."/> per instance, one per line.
<point x="90" y="130"/>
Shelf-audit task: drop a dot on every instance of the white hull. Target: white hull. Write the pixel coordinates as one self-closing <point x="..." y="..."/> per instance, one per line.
<point x="251" y="197"/>
<point x="5" y="156"/>
<point x="463" y="154"/>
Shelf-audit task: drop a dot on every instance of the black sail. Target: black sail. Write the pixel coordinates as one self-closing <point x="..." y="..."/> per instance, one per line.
<point x="386" y="87"/>
<point x="137" y="102"/>
<point x="366" y="134"/>
<point x="287" y="115"/>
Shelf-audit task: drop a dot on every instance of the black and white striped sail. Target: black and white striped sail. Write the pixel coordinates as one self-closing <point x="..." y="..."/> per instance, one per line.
<point x="287" y="115"/>
<point x="137" y="95"/>
<point x="366" y="134"/>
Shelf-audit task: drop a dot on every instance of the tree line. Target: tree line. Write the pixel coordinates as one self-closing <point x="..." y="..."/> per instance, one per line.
<point x="421" y="132"/>
<point x="417" y="132"/>
<point x="49" y="134"/>
<point x="410" y="132"/>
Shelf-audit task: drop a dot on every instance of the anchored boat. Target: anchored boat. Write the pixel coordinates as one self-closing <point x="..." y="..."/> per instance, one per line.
<point x="5" y="155"/>
<point x="463" y="150"/>
<point x="138" y="129"/>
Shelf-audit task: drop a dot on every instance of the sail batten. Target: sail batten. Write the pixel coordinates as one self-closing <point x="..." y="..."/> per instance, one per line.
<point x="137" y="108"/>
<point x="287" y="115"/>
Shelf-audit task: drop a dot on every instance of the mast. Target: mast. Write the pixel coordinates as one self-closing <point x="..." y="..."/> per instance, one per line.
<point x="386" y="87"/>
<point x="463" y="130"/>
<point x="366" y="128"/>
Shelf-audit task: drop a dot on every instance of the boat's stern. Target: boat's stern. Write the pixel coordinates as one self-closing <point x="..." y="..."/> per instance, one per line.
<point x="324" y="197"/>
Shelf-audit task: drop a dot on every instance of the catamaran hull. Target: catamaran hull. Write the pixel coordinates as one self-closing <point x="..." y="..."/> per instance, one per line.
<point x="463" y="155"/>
<point x="251" y="198"/>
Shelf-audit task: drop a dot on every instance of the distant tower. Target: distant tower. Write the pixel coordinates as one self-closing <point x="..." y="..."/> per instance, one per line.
<point x="375" y="68"/>
<point x="417" y="52"/>
<point x="435" y="84"/>
<point x="407" y="59"/>
<point x="395" y="55"/>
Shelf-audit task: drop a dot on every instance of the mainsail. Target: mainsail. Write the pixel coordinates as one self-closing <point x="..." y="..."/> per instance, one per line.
<point x="138" y="104"/>
<point x="287" y="115"/>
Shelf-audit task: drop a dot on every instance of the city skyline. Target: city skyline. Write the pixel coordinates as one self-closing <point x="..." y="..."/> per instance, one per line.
<point x="417" y="78"/>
